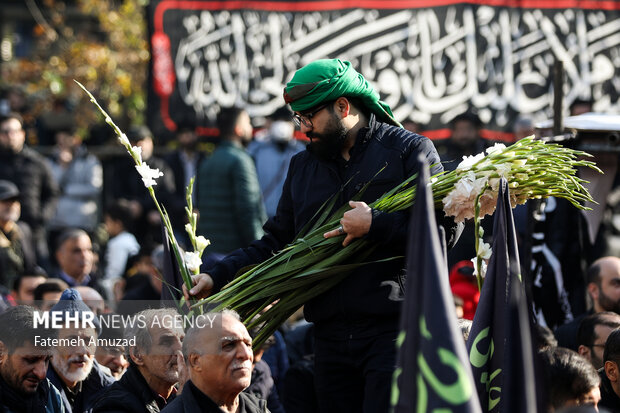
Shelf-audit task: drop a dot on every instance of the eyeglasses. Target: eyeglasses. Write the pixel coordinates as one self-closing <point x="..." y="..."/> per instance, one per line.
<point x="306" y="118"/>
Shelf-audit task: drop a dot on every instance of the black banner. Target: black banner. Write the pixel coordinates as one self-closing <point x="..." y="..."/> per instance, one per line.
<point x="428" y="63"/>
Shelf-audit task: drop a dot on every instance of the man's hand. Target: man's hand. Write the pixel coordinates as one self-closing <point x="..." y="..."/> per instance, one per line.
<point x="203" y="284"/>
<point x="354" y="223"/>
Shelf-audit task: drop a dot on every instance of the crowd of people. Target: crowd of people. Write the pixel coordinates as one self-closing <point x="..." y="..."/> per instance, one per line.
<point x="63" y="249"/>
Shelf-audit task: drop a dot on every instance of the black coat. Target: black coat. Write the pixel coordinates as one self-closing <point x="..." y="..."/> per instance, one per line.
<point x="130" y="394"/>
<point x="38" y="190"/>
<point x="193" y="401"/>
<point x="344" y="312"/>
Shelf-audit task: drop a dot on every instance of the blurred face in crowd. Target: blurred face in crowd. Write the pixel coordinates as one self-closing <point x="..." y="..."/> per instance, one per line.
<point x="113" y="358"/>
<point x="75" y="257"/>
<point x="147" y="147"/>
<point x="187" y="139"/>
<point x="10" y="210"/>
<point x="601" y="332"/>
<point x="49" y="299"/>
<point x="163" y="360"/>
<point x="606" y="293"/>
<point x="464" y="134"/>
<point x="244" y="127"/>
<point x="66" y="140"/>
<point x="25" y="293"/>
<point x="23" y="369"/>
<point x="229" y="370"/>
<point x="12" y="136"/>
<point x="74" y="363"/>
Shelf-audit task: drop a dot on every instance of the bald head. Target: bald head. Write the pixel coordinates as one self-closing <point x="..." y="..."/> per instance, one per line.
<point x="604" y="284"/>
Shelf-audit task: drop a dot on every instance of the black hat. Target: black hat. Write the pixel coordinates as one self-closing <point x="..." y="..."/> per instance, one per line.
<point x="137" y="133"/>
<point x="8" y="190"/>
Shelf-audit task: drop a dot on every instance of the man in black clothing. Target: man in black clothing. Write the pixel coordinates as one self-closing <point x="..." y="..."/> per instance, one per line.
<point x="23" y="364"/>
<point x="610" y="374"/>
<point x="156" y="365"/>
<point x="29" y="171"/>
<point x="219" y="357"/>
<point x="353" y="137"/>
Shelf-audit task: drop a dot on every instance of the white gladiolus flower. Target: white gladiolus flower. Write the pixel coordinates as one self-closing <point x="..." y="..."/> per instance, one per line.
<point x="498" y="147"/>
<point x="469" y="161"/>
<point x="148" y="174"/>
<point x="483" y="268"/>
<point x="124" y="140"/>
<point x="193" y="261"/>
<point x="484" y="249"/>
<point x="137" y="154"/>
<point x="189" y="229"/>
<point x="503" y="169"/>
<point x="201" y="243"/>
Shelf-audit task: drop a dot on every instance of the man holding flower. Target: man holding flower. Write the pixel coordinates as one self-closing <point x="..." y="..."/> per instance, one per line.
<point x="355" y="143"/>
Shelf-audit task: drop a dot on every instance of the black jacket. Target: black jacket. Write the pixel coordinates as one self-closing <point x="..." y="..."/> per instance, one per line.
<point x="609" y="398"/>
<point x="38" y="190"/>
<point x="193" y="400"/>
<point x="368" y="301"/>
<point x="130" y="394"/>
<point x="92" y="387"/>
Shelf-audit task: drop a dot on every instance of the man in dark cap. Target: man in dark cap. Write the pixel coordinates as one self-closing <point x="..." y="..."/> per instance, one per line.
<point x="353" y="136"/>
<point x="17" y="250"/>
<point x="74" y="370"/>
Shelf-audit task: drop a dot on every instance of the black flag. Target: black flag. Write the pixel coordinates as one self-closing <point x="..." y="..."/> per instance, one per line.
<point x="433" y="372"/>
<point x="500" y="346"/>
<point x="172" y="280"/>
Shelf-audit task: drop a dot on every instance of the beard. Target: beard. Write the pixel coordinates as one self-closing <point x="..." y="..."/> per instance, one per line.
<point x="608" y="304"/>
<point x="62" y="367"/>
<point x="18" y="383"/>
<point x="327" y="145"/>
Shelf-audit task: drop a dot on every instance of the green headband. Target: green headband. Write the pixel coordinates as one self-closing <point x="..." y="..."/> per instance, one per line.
<point x="329" y="79"/>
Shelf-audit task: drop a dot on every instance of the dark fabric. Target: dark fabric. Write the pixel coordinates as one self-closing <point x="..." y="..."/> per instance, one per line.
<point x="277" y="359"/>
<point x="12" y="401"/>
<point x="176" y="208"/>
<point x="609" y="398"/>
<point x="130" y="394"/>
<point x="17" y="253"/>
<point x="344" y="311"/>
<point x="263" y="387"/>
<point x="355" y="375"/>
<point x="38" y="190"/>
<point x="299" y="393"/>
<point x="428" y="323"/>
<point x="193" y="400"/>
<point x="504" y="377"/>
<point x="229" y="199"/>
<point x="92" y="388"/>
<point x="566" y="334"/>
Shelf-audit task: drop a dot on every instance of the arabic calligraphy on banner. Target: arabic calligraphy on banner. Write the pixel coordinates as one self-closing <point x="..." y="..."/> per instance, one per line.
<point x="429" y="64"/>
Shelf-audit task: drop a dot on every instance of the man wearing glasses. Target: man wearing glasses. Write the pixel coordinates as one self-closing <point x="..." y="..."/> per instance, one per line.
<point x="353" y="135"/>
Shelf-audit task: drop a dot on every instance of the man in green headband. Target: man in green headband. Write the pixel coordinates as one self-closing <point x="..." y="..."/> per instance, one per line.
<point x="355" y="143"/>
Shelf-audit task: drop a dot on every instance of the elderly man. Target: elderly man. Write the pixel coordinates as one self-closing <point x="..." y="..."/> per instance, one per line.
<point x="74" y="370"/>
<point x="219" y="358"/>
<point x="603" y="278"/>
<point x="156" y="365"/>
<point x="353" y="137"/>
<point x="23" y="386"/>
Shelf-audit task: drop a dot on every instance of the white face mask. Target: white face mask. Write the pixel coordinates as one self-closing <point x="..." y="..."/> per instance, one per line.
<point x="282" y="130"/>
